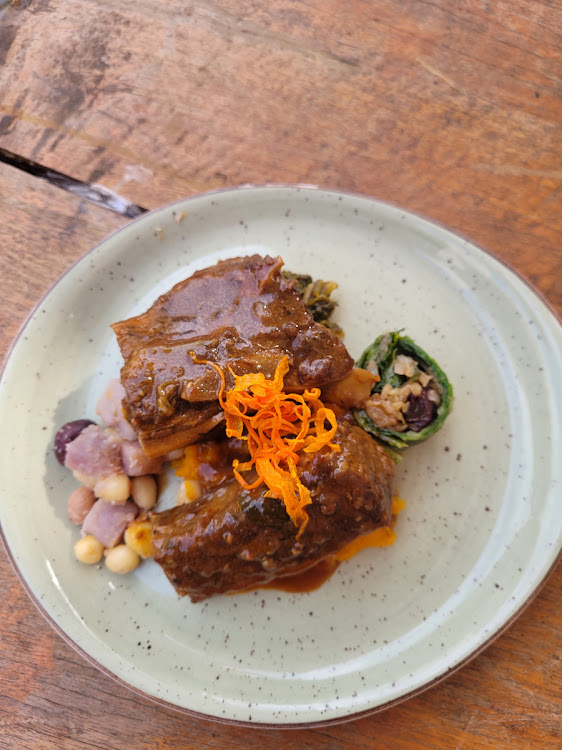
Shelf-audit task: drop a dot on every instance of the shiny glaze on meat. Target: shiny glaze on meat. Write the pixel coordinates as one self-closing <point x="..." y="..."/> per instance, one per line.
<point x="231" y="539"/>
<point x="240" y="314"/>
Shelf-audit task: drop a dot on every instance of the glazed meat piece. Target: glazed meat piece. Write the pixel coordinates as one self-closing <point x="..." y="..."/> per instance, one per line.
<point x="231" y="539"/>
<point x="241" y="314"/>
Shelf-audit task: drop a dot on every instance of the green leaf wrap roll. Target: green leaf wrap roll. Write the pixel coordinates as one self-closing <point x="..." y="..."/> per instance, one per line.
<point x="413" y="397"/>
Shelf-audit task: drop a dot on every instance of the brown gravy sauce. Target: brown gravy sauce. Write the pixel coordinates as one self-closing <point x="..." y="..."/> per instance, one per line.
<point x="212" y="464"/>
<point x="307" y="580"/>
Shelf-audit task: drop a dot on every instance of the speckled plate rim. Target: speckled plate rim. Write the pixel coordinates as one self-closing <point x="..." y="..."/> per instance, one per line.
<point x="260" y="724"/>
<point x="265" y="725"/>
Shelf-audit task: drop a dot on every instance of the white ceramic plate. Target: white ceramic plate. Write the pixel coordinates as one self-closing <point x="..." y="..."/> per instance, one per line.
<point x="482" y="525"/>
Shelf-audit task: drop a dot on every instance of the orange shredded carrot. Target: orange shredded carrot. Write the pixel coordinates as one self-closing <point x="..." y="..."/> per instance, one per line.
<point x="276" y="426"/>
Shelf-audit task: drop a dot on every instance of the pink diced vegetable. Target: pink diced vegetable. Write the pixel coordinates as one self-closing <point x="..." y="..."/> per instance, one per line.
<point x="135" y="462"/>
<point x="66" y="434"/>
<point x="96" y="452"/>
<point x="110" y="410"/>
<point x="108" y="522"/>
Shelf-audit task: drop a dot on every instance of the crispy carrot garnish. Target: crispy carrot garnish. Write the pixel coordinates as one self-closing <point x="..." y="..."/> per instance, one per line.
<point x="277" y="426"/>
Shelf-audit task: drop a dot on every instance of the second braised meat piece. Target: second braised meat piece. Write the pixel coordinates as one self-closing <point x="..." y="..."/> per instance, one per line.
<point x="241" y="314"/>
<point x="231" y="539"/>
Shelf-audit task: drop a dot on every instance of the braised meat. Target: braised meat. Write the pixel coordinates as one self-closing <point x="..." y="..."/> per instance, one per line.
<point x="241" y="314"/>
<point x="231" y="539"/>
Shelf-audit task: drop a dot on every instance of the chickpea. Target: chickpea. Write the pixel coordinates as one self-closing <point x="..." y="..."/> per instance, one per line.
<point x="114" y="489"/>
<point x="189" y="490"/>
<point x="138" y="536"/>
<point x="88" y="550"/>
<point x="144" y="491"/>
<point x="121" y="559"/>
<point x="86" y="479"/>
<point x="79" y="504"/>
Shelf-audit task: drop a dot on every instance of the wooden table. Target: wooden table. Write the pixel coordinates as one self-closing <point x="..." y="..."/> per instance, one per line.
<point x="452" y="110"/>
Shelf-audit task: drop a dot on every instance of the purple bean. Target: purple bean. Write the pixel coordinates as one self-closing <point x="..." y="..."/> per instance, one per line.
<point x="421" y="411"/>
<point x="67" y="433"/>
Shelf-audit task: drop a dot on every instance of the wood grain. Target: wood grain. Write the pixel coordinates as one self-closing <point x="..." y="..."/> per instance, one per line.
<point x="404" y="101"/>
<point x="43" y="232"/>
<point x="449" y="109"/>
